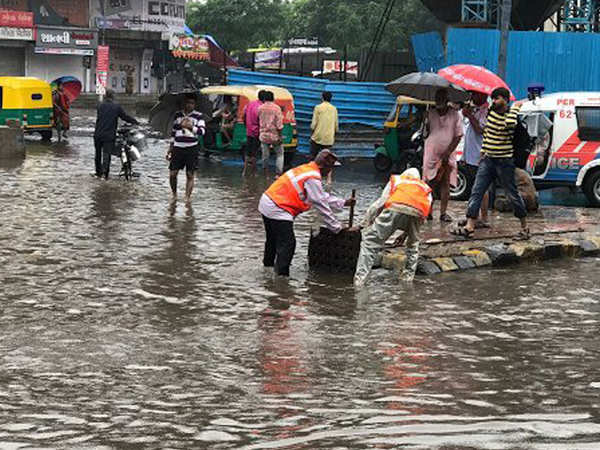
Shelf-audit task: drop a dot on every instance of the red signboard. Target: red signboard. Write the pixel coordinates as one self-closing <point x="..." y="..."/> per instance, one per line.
<point x="16" y="19"/>
<point x="102" y="69"/>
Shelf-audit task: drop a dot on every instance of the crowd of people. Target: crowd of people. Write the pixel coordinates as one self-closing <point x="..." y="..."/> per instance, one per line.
<point x="407" y="200"/>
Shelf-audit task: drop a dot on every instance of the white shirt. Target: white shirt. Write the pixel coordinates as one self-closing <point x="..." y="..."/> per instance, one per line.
<point x="315" y="196"/>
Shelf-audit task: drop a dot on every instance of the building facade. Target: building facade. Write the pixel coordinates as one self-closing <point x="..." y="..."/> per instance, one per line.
<point x="48" y="39"/>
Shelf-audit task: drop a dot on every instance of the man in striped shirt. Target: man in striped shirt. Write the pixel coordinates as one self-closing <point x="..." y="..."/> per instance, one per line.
<point x="184" y="148"/>
<point x="497" y="162"/>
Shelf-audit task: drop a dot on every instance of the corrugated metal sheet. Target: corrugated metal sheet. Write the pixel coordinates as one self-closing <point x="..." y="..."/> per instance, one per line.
<point x="560" y="61"/>
<point x="361" y="106"/>
<point x="468" y="46"/>
<point x="429" y="51"/>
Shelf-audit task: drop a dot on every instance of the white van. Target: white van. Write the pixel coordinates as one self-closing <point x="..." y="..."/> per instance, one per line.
<point x="567" y="150"/>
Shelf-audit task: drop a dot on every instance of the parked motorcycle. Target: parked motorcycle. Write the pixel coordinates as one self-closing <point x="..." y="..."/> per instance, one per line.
<point x="129" y="146"/>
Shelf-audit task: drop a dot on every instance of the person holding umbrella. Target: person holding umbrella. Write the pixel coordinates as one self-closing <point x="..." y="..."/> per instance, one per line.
<point x="440" y="169"/>
<point x="61" y="105"/>
<point x="497" y="162"/>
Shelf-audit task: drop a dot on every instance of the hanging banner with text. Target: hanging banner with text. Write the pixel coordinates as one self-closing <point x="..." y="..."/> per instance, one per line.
<point x="189" y="47"/>
<point x="102" y="69"/>
<point x="269" y="59"/>
<point x="336" y="65"/>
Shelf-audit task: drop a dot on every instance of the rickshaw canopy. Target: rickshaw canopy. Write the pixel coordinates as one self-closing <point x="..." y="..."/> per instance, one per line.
<point x="404" y="100"/>
<point x="249" y="92"/>
<point x="25" y="93"/>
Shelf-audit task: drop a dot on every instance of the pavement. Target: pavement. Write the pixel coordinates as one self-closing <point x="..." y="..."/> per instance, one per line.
<point x="556" y="231"/>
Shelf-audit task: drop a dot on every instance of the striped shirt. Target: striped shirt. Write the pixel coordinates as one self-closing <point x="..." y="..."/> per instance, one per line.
<point x="498" y="133"/>
<point x="183" y="138"/>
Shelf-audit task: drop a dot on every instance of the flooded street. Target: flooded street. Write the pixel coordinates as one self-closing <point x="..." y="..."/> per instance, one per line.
<point x="127" y="323"/>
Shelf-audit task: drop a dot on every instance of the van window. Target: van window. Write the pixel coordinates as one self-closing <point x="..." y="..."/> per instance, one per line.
<point x="588" y="122"/>
<point x="1" y="97"/>
<point x="36" y="96"/>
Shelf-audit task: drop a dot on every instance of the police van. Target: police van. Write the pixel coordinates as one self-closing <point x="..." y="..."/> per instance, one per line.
<point x="566" y="127"/>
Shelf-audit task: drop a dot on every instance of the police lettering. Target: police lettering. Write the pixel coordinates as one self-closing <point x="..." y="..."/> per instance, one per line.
<point x="565" y="163"/>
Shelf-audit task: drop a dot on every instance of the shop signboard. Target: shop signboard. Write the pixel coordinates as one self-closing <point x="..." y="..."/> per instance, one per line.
<point x="189" y="47"/>
<point x="303" y="42"/>
<point x="61" y="41"/>
<point x="16" y="34"/>
<point x="140" y="15"/>
<point x="335" y="65"/>
<point x="102" y="69"/>
<point x="16" y="19"/>
<point x="269" y="59"/>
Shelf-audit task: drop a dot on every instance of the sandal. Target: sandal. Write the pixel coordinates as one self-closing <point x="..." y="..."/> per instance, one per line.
<point x="446" y="218"/>
<point x="462" y="232"/>
<point x="480" y="224"/>
<point x="523" y="235"/>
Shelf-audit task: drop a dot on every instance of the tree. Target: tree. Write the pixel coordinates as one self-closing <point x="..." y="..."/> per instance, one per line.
<point x="353" y="22"/>
<point x="238" y="24"/>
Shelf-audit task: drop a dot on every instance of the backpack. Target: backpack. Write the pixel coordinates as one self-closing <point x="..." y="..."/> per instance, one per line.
<point x="522" y="144"/>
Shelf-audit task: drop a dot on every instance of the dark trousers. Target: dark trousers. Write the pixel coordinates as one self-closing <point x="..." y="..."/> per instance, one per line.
<point x="315" y="149"/>
<point x="104" y="150"/>
<point x="489" y="170"/>
<point x="280" y="245"/>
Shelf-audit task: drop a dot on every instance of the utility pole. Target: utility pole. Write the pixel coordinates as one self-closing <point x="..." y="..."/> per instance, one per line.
<point x="504" y="29"/>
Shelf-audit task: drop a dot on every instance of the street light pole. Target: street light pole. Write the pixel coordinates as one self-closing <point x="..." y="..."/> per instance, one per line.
<point x="504" y="27"/>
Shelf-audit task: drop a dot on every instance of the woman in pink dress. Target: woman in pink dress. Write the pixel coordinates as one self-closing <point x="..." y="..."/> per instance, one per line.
<point x="439" y="161"/>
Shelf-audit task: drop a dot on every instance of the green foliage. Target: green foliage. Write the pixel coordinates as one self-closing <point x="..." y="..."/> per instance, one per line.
<point x="240" y="24"/>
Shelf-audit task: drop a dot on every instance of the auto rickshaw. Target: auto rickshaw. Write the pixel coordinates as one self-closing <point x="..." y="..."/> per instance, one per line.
<point x="405" y="119"/>
<point x="400" y="146"/>
<point x="27" y="101"/>
<point x="216" y="141"/>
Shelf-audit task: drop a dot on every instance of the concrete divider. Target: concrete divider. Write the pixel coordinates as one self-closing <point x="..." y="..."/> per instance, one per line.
<point x="535" y="250"/>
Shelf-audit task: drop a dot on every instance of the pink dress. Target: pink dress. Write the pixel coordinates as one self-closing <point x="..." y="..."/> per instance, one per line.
<point x="442" y="130"/>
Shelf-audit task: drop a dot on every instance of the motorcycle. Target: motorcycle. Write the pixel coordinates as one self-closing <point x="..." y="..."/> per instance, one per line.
<point x="129" y="146"/>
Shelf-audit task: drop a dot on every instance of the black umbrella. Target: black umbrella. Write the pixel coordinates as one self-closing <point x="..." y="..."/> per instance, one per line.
<point x="424" y="85"/>
<point x="163" y="113"/>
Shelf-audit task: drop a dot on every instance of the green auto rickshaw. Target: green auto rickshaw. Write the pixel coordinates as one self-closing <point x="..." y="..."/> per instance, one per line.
<point x="216" y="140"/>
<point x="405" y="119"/>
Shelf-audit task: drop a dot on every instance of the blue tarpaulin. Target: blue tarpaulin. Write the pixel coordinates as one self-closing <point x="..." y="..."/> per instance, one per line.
<point x="358" y="104"/>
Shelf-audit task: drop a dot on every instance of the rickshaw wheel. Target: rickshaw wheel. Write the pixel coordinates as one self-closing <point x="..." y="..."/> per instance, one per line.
<point x="382" y="163"/>
<point x="46" y="135"/>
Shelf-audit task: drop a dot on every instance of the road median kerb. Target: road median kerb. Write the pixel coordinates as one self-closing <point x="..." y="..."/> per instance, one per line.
<point x="499" y="254"/>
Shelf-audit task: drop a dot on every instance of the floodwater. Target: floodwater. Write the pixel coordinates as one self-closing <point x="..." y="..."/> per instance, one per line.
<point x="126" y="323"/>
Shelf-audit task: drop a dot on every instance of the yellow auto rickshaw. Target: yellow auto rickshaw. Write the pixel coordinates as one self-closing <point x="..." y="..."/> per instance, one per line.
<point x="216" y="141"/>
<point x="27" y="101"/>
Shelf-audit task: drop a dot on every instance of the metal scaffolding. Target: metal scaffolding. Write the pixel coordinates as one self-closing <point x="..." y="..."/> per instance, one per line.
<point x="481" y="11"/>
<point x="580" y="15"/>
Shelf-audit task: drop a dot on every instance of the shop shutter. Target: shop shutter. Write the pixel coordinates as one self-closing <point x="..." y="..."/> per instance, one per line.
<point x="12" y="61"/>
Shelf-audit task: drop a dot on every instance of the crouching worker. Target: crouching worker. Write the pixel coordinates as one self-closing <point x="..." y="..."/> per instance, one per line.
<point x="404" y="204"/>
<point x="295" y="192"/>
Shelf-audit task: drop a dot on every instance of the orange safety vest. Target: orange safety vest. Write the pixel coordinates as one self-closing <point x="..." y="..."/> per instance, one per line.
<point x="288" y="192"/>
<point x="410" y="192"/>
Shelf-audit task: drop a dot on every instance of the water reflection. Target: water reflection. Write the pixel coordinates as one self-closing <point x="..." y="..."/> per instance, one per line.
<point x="128" y="322"/>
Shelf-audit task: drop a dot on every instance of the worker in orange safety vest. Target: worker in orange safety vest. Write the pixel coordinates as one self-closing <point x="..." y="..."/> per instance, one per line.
<point x="293" y="193"/>
<point x="404" y="205"/>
